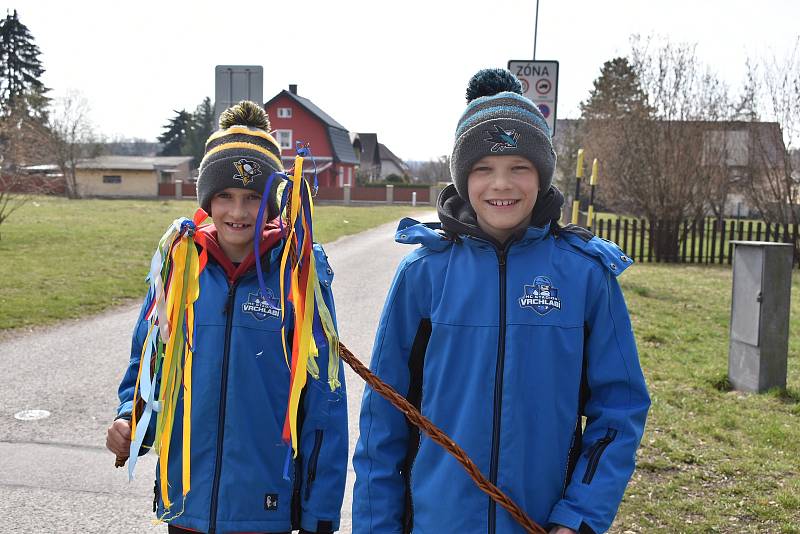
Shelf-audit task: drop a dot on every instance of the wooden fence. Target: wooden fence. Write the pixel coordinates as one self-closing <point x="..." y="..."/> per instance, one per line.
<point x="704" y="241"/>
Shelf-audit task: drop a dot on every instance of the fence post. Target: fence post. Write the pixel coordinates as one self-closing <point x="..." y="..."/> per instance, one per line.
<point x="179" y="189"/>
<point x="642" y="239"/>
<point x="346" y="195"/>
<point x="389" y="194"/>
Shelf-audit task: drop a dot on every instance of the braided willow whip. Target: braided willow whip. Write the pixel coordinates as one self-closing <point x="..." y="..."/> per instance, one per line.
<point x="437" y="435"/>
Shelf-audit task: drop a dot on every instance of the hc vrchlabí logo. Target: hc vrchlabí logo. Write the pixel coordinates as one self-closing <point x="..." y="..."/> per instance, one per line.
<point x="540" y="296"/>
<point x="246" y="170"/>
<point x="262" y="307"/>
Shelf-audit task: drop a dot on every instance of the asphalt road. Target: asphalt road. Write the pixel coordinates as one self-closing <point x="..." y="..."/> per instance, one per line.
<point x="55" y="473"/>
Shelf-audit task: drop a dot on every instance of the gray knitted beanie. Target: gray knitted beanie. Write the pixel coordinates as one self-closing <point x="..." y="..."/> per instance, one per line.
<point x="241" y="154"/>
<point x="499" y="121"/>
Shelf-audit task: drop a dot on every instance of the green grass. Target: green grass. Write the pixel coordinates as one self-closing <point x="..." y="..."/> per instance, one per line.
<point x="63" y="259"/>
<point x="712" y="460"/>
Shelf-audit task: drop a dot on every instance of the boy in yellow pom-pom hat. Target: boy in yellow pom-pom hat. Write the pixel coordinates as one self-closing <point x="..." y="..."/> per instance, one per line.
<point x="233" y="375"/>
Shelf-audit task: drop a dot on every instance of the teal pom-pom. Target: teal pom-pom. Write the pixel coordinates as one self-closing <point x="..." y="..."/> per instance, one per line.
<point x="488" y="82"/>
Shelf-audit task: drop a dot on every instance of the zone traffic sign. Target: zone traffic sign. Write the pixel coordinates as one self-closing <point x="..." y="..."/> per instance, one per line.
<point x="539" y="83"/>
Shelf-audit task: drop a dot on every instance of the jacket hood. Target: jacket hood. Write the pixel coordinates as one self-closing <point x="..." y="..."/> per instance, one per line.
<point x="206" y="238"/>
<point x="458" y="216"/>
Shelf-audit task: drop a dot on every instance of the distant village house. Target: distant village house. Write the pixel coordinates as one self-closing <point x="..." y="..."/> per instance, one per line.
<point x="131" y="176"/>
<point x="295" y="118"/>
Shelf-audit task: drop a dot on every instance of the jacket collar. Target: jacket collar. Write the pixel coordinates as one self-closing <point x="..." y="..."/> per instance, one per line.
<point x="458" y="217"/>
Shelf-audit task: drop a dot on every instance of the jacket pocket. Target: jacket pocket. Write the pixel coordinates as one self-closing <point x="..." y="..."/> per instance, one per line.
<point x="312" y="462"/>
<point x="594" y="453"/>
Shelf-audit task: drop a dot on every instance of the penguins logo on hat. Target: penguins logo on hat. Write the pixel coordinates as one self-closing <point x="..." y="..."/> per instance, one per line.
<point x="246" y="170"/>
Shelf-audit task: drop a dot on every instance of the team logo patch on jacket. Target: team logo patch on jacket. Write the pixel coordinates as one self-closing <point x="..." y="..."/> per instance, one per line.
<point x="541" y="296"/>
<point x="262" y="307"/>
<point x="246" y="170"/>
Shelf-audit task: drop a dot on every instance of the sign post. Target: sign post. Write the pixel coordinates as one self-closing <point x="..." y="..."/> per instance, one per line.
<point x="539" y="83"/>
<point x="233" y="83"/>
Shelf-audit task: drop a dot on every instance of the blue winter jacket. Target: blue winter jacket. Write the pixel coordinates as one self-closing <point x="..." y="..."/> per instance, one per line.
<point x="506" y="351"/>
<point x="240" y="392"/>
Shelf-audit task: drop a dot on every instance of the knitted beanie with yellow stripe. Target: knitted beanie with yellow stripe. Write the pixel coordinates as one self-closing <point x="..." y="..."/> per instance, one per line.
<point x="241" y="154"/>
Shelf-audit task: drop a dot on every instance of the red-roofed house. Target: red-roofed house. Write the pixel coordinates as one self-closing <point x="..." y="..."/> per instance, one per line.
<point x="294" y="118"/>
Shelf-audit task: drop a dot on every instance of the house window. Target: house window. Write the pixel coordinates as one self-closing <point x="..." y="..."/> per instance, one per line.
<point x="284" y="113"/>
<point x="112" y="179"/>
<point x="341" y="177"/>
<point x="350" y="176"/>
<point x="284" y="139"/>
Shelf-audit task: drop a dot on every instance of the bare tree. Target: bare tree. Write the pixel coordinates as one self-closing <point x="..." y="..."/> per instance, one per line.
<point x="567" y="142"/>
<point x="771" y="185"/>
<point x="72" y="136"/>
<point x="23" y="140"/>
<point x="432" y="171"/>
<point x="652" y="155"/>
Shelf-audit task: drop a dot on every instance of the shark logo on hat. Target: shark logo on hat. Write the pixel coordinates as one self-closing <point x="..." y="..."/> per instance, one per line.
<point x="246" y="171"/>
<point x="502" y="139"/>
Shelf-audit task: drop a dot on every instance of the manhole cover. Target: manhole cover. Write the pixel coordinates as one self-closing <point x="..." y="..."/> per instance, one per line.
<point x="31" y="415"/>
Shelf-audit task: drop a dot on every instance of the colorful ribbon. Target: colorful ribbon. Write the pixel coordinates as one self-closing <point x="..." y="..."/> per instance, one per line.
<point x="166" y="361"/>
<point x="309" y="320"/>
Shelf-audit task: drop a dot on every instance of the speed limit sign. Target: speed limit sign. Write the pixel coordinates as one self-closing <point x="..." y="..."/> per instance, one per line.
<point x="539" y="83"/>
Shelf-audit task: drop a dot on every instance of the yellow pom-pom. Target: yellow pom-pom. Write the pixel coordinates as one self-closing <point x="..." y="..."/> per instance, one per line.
<point x="245" y="113"/>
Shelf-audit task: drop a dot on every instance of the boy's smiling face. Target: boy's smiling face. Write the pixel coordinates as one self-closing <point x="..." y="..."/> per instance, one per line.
<point x="235" y="211"/>
<point x="503" y="191"/>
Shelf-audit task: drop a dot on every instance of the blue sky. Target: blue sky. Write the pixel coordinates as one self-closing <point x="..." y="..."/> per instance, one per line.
<point x="395" y="68"/>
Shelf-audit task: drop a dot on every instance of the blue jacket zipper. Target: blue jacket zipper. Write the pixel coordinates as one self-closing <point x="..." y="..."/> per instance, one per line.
<point x="212" y="523"/>
<point x="594" y="453"/>
<point x="498" y="387"/>
<point x="312" y="462"/>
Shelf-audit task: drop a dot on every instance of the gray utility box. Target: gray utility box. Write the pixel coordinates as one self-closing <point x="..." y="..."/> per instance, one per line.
<point x="759" y="337"/>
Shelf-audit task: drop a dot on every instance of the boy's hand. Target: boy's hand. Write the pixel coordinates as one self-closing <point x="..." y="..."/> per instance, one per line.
<point x="118" y="439"/>
<point x="561" y="530"/>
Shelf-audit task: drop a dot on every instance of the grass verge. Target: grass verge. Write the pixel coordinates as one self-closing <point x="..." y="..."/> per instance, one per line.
<point x="63" y="259"/>
<point x="712" y="459"/>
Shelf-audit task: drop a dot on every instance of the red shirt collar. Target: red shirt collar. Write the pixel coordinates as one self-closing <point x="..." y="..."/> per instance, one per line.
<point x="206" y="237"/>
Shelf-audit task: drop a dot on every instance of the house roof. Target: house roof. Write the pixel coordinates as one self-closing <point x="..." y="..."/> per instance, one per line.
<point x="387" y="154"/>
<point x="342" y="148"/>
<point x="370" y="155"/>
<point x="133" y="163"/>
<point x="338" y="134"/>
<point x="310" y="106"/>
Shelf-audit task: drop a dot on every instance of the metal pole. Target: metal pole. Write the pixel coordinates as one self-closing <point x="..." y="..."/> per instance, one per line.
<point x="535" y="29"/>
<point x="576" y="203"/>
<point x="592" y="184"/>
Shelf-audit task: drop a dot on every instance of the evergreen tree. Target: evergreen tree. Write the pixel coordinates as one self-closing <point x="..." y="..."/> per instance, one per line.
<point x="20" y="68"/>
<point x="202" y="126"/>
<point x="617" y="93"/>
<point x="175" y="134"/>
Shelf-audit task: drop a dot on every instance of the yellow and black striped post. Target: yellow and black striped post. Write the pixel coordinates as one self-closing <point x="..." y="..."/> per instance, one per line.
<point x="592" y="184"/>
<point x="576" y="204"/>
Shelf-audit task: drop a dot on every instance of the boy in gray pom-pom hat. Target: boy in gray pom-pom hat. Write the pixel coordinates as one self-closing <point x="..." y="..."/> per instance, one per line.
<point x="510" y="333"/>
